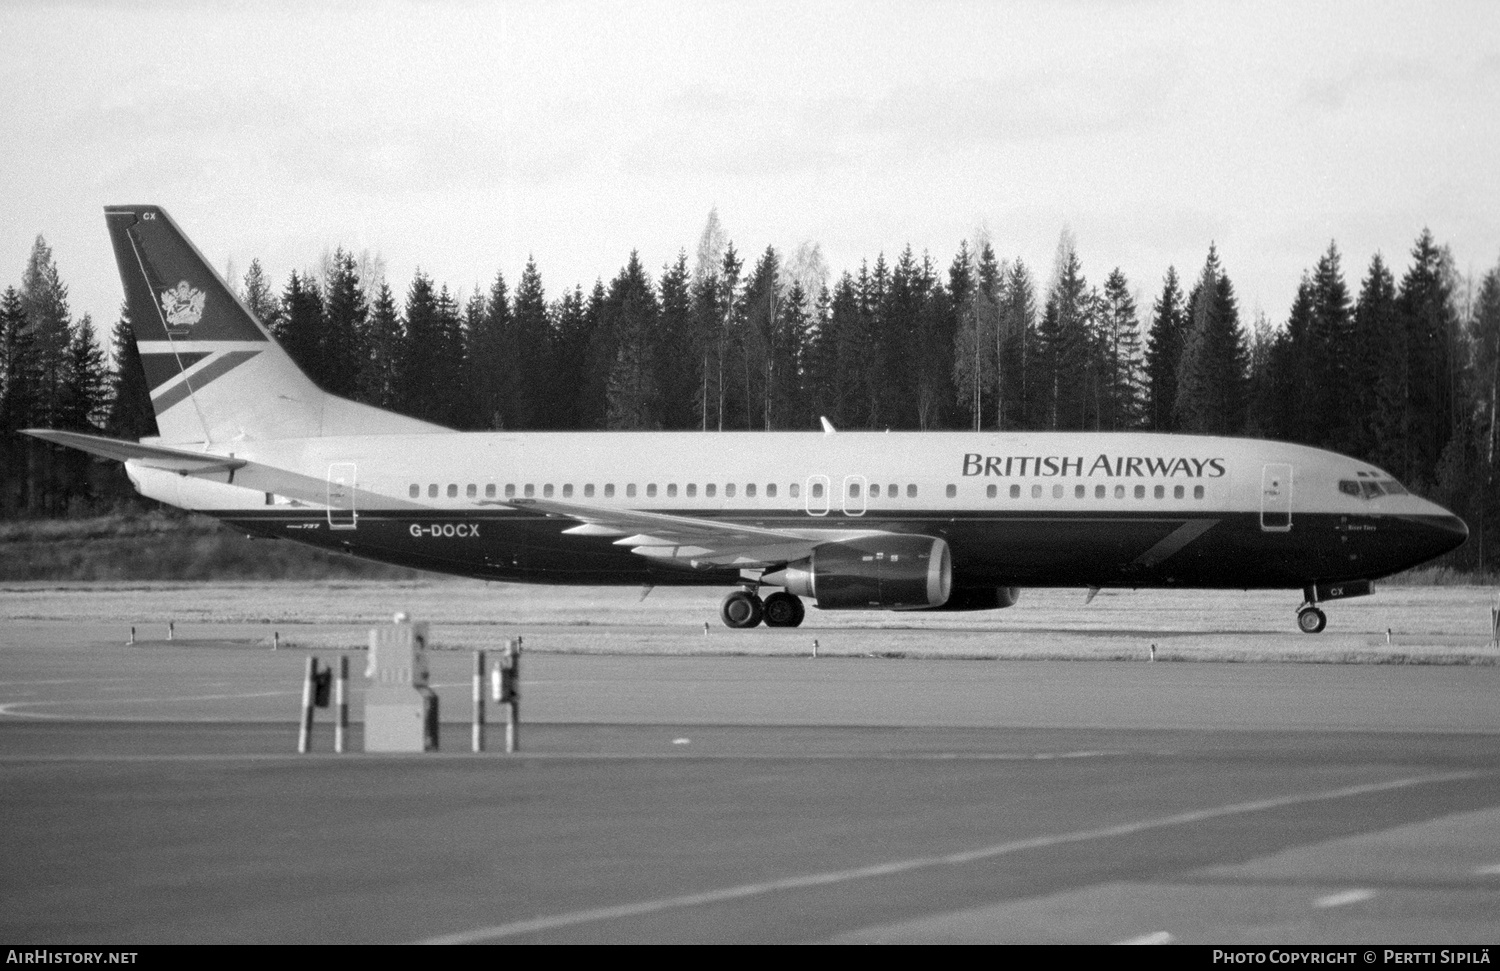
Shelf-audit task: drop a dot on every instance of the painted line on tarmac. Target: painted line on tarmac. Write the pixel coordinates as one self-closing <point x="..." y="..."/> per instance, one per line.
<point x="1344" y="898"/>
<point x="8" y="708"/>
<point x="894" y="867"/>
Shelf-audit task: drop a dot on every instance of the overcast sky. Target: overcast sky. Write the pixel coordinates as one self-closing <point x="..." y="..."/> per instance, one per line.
<point x="462" y="137"/>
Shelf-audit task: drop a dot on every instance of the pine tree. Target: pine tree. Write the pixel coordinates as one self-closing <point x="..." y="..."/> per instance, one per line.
<point x="1119" y="328"/>
<point x="343" y="335"/>
<point x="531" y="350"/>
<point x="679" y="365"/>
<point x="1164" y="354"/>
<point x="299" y="325"/>
<point x="384" y="339"/>
<point x="1330" y="351"/>
<point x="1424" y="304"/>
<point x="85" y="403"/>
<point x="1379" y="379"/>
<point x="976" y="340"/>
<point x="630" y="314"/>
<point x="257" y="296"/>
<point x="1018" y="403"/>
<point x="493" y="379"/>
<point x="1068" y="363"/>
<point x="130" y="413"/>
<point x="1211" y="379"/>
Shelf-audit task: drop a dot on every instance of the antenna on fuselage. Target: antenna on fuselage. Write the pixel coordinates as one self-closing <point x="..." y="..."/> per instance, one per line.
<point x="828" y="428"/>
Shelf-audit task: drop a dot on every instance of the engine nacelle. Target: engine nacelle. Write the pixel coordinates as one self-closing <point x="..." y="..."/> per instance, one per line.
<point x="884" y="572"/>
<point x="980" y="598"/>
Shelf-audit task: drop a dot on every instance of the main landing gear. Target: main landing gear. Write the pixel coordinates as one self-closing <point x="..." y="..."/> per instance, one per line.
<point x="744" y="609"/>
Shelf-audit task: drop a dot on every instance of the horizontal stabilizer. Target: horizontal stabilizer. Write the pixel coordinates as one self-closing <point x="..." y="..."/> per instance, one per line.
<point x="152" y="456"/>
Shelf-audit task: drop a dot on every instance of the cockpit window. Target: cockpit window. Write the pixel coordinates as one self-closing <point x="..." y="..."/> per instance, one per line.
<point x="1371" y="488"/>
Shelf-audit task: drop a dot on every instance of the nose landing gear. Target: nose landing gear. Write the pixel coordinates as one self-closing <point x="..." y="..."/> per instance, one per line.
<point x="1311" y="620"/>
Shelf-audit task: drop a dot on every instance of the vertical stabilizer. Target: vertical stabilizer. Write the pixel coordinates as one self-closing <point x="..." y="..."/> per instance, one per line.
<point x="215" y="373"/>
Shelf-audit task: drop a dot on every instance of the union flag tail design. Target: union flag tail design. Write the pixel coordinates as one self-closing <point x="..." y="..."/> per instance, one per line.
<point x="215" y="373"/>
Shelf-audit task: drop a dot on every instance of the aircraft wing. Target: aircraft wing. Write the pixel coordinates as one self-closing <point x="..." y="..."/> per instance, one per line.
<point x="689" y="541"/>
<point x="161" y="457"/>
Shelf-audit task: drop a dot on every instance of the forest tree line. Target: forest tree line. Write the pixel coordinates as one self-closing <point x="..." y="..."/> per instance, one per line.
<point x="1402" y="372"/>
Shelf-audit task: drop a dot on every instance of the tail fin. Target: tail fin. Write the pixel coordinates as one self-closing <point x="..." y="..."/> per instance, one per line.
<point x="214" y="371"/>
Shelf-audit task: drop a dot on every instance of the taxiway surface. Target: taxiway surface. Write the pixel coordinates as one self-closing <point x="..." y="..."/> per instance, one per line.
<point x="150" y="794"/>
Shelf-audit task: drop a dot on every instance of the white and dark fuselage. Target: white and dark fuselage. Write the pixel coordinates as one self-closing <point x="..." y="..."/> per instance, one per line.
<point x="1022" y="509"/>
<point x="854" y="520"/>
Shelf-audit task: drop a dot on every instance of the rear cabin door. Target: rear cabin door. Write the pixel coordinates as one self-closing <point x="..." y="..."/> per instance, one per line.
<point x="1276" y="498"/>
<point x="341" y="511"/>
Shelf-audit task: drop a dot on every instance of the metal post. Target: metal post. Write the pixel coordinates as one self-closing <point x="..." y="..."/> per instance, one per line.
<point x="1495" y="625"/>
<point x="1153" y="652"/>
<point x="341" y="724"/>
<point x="171" y="629"/>
<point x="132" y="636"/>
<point x="304" y="738"/>
<point x="479" y="701"/>
<point x="275" y="640"/>
<point x="510" y="693"/>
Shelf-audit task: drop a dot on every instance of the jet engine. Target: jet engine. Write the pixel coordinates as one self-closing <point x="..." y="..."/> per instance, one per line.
<point x="890" y="572"/>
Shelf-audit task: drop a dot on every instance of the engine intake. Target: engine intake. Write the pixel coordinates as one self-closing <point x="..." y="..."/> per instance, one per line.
<point x="885" y="572"/>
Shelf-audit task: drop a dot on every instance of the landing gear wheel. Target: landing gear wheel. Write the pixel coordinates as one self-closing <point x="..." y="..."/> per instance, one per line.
<point x="741" y="609"/>
<point x="784" y="610"/>
<point x="1311" y="620"/>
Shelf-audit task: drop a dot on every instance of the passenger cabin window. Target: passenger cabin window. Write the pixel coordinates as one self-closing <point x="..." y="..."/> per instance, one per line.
<point x="854" y="490"/>
<point x="630" y="490"/>
<point x="1080" y="491"/>
<point x="472" y="491"/>
<point x="817" y="490"/>
<point x="1140" y="492"/>
<point x="952" y="491"/>
<point x="414" y="491"/>
<point x="1036" y="492"/>
<point x="1177" y="492"/>
<point x="588" y="490"/>
<point x="989" y="492"/>
<point x="489" y="490"/>
<point x="750" y="491"/>
<point x="452" y="490"/>
<point x="729" y="491"/>
<point x="1119" y="492"/>
<point x="530" y="490"/>
<point x="671" y="490"/>
<point x="708" y="490"/>
<point x="1057" y="491"/>
<point x="911" y="492"/>
<point x="1160" y="492"/>
<point x="547" y="490"/>
<point x="568" y="491"/>
<point x="796" y="490"/>
<point x="609" y="490"/>
<point x="1099" y="492"/>
<point x="1197" y="492"/>
<point x="651" y="490"/>
<point x="1015" y="492"/>
<point x="692" y="490"/>
<point x="510" y="489"/>
<point x="770" y="490"/>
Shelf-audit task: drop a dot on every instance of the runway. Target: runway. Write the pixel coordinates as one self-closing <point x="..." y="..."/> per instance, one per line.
<point x="151" y="794"/>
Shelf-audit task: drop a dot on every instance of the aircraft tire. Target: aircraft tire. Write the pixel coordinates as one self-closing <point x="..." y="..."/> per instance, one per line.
<point x="741" y="610"/>
<point x="1311" y="620"/>
<point x="784" y="610"/>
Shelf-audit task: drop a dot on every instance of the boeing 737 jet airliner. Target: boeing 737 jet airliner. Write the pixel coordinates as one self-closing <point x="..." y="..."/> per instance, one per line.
<point x="850" y="520"/>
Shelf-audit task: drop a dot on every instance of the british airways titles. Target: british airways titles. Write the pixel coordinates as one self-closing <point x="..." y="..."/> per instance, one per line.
<point x="1116" y="466"/>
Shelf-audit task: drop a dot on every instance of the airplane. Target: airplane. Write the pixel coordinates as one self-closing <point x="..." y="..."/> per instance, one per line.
<point x="914" y="521"/>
